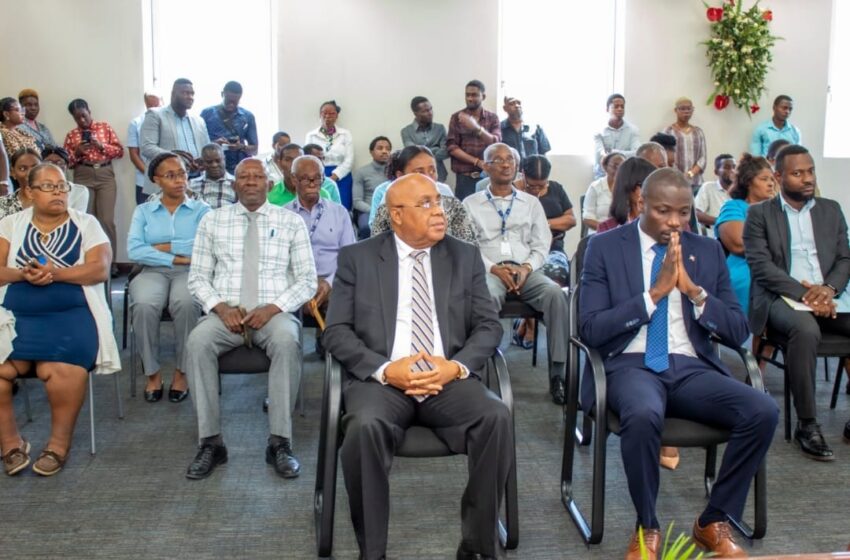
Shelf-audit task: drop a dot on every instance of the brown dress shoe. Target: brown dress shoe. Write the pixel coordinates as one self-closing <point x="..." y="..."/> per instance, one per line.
<point x="717" y="538"/>
<point x="652" y="540"/>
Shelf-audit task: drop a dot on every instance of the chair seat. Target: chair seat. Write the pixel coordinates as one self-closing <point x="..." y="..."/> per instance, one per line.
<point x="513" y="308"/>
<point x="244" y="360"/>
<point x="420" y="441"/>
<point x="831" y="345"/>
<point x="681" y="433"/>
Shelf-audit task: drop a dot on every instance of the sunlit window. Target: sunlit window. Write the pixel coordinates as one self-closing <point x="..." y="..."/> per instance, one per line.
<point x="212" y="42"/>
<point x="836" y="142"/>
<point x="562" y="60"/>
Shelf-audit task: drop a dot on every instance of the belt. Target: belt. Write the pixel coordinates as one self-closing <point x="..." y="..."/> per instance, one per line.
<point x="97" y="165"/>
<point x="474" y="174"/>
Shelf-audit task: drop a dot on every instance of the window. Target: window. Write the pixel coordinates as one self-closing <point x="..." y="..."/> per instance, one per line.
<point x="836" y="142"/>
<point x="212" y="42"/>
<point x="562" y="66"/>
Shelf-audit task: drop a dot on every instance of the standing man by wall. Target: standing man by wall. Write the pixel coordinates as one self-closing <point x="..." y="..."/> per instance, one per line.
<point x="134" y="130"/>
<point x="776" y="128"/>
<point x="471" y="130"/>
<point x="232" y="127"/>
<point x="423" y="131"/>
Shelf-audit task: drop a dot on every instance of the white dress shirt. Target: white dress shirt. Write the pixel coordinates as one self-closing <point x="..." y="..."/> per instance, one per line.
<point x="404" y="313"/>
<point x="339" y="149"/>
<point x="678" y="341"/>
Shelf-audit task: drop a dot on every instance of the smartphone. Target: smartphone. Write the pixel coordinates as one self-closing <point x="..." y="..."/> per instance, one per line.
<point x="39" y="260"/>
<point x="87" y="136"/>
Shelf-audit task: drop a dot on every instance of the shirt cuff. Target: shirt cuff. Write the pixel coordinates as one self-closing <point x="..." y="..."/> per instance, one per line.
<point x="700" y="309"/>
<point x="379" y="375"/>
<point x="650" y="305"/>
<point x="464" y="371"/>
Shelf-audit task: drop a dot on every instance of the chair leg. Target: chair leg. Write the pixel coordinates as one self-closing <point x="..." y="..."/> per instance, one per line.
<point x="125" y="319"/>
<point x="91" y="413"/>
<point x="710" y="469"/>
<point x="509" y="528"/>
<point x="759" y="528"/>
<point x="590" y="532"/>
<point x="787" y="399"/>
<point x="837" y="387"/>
<point x="300" y="397"/>
<point x="132" y="363"/>
<point x="118" y="400"/>
<point x="324" y="496"/>
<point x="26" y="396"/>
<point x="536" y="338"/>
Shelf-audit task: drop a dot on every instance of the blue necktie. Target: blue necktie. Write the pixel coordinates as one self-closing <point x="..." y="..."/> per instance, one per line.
<point x="656" y="357"/>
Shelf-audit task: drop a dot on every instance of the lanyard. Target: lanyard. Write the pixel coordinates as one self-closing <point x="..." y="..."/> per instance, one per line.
<point x="316" y="221"/>
<point x="503" y="215"/>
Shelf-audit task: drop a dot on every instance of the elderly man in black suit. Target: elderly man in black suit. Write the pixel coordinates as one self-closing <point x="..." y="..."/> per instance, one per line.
<point x="796" y="246"/>
<point x="412" y="322"/>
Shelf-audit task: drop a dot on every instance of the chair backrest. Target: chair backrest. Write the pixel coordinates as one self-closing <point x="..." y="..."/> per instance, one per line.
<point x="584" y="228"/>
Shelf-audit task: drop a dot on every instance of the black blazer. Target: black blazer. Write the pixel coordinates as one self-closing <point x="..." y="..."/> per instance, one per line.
<point x="361" y="316"/>
<point x="767" y="243"/>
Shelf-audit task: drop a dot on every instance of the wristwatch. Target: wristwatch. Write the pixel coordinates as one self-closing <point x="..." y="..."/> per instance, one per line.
<point x="700" y="297"/>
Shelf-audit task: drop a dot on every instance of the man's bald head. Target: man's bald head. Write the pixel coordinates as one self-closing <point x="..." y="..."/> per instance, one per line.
<point x="667" y="203"/>
<point x="416" y="211"/>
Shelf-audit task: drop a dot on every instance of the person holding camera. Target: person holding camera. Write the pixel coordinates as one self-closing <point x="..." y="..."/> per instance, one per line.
<point x="91" y="148"/>
<point x="232" y="127"/>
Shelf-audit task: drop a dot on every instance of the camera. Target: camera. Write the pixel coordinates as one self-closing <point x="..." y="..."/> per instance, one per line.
<point x="87" y="136"/>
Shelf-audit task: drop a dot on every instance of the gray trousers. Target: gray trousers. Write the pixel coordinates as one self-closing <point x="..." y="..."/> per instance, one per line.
<point x="545" y="296"/>
<point x="150" y="291"/>
<point x="281" y="340"/>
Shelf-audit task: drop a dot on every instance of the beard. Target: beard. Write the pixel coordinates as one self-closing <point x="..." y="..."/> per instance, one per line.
<point x="798" y="196"/>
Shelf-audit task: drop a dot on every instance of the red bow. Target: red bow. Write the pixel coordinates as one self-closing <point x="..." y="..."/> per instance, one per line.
<point x="767" y="15"/>
<point x="714" y="14"/>
<point x="754" y="108"/>
<point x="720" y="102"/>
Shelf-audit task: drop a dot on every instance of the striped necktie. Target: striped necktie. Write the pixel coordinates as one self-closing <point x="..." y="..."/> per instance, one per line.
<point x="422" y="325"/>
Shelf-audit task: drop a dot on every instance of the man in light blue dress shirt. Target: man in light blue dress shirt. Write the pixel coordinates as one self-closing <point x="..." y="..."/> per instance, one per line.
<point x="775" y="128"/>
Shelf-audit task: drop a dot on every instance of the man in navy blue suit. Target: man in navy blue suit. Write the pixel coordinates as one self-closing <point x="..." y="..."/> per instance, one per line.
<point x="651" y="296"/>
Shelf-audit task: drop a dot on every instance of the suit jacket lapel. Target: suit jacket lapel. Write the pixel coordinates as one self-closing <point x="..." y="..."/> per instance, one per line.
<point x="690" y="260"/>
<point x="633" y="258"/>
<point x="441" y="276"/>
<point x="388" y="288"/>
<point x="822" y="233"/>
<point x="781" y="224"/>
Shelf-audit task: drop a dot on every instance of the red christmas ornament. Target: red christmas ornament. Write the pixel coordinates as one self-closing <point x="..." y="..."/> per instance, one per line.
<point x="754" y="108"/>
<point x="714" y="14"/>
<point x="767" y="15"/>
<point x="720" y="102"/>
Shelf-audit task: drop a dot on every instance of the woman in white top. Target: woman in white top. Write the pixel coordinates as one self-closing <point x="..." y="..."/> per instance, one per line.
<point x="339" y="149"/>
<point x="597" y="199"/>
<point x="78" y="198"/>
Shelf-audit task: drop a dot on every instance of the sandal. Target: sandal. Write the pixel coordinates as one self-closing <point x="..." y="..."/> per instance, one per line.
<point x="17" y="459"/>
<point x="518" y="340"/>
<point x="49" y="463"/>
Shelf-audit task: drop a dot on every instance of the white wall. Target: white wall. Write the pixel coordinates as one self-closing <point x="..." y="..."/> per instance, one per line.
<point x="383" y="52"/>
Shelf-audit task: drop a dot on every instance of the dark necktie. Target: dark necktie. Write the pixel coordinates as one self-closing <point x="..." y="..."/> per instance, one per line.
<point x="656" y="357"/>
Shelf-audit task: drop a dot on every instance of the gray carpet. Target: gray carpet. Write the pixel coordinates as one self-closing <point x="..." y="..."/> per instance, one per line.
<point x="132" y="500"/>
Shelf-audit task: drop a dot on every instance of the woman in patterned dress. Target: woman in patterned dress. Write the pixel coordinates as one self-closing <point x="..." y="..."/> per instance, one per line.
<point x="20" y="165"/>
<point x="11" y="117"/>
<point x="54" y="262"/>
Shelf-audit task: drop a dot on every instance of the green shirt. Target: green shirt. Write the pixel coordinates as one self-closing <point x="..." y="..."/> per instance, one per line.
<point x="280" y="195"/>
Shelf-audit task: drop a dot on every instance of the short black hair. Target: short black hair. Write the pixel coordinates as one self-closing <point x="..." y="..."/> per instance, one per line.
<point x="233" y="87"/>
<point x="333" y="104"/>
<point x="666" y="140"/>
<point x="611" y="99"/>
<point x="377" y="139"/>
<point x="608" y="157"/>
<point x="308" y="148"/>
<point x="789" y="150"/>
<point x="536" y="167"/>
<point x="77" y="104"/>
<point x="212" y="147"/>
<point x="631" y="175"/>
<point x="6" y="104"/>
<point x="476" y="84"/>
<point x="718" y="161"/>
<point x="780" y="98"/>
<point x="157" y="161"/>
<point x="414" y="103"/>
<point x="775" y="146"/>
<point x="58" y="150"/>
<point x="181" y="82"/>
<point x="13" y="159"/>
<point x="278" y="135"/>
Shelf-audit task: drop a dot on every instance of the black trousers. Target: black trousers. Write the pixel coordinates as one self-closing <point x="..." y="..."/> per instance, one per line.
<point x="466" y="416"/>
<point x="465" y="186"/>
<point x="804" y="333"/>
<point x="692" y="390"/>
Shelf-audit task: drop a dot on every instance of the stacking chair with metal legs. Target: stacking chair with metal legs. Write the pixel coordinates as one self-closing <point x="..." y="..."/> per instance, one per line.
<point x="419" y="441"/>
<point x="515" y="308"/>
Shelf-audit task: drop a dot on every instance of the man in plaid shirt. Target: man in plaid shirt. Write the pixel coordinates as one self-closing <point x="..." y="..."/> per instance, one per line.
<point x="252" y="268"/>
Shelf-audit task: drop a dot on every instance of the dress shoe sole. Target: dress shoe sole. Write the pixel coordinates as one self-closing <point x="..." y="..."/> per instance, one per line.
<point x="813" y="457"/>
<point x="193" y="476"/>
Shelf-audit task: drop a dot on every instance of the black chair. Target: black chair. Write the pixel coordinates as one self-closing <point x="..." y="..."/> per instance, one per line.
<point x="419" y="441"/>
<point x="677" y="433"/>
<point x="831" y="346"/>
<point x="584" y="228"/>
<point x="515" y="308"/>
<point x="244" y="360"/>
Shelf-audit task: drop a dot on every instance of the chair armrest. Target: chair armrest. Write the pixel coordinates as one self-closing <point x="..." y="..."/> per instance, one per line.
<point x="599" y="382"/>
<point x="754" y="375"/>
<point x="500" y="366"/>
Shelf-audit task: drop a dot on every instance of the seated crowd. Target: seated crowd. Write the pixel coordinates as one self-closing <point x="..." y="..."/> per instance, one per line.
<point x="411" y="275"/>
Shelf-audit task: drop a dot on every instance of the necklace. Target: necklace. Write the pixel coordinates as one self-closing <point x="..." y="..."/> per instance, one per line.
<point x="44" y="237"/>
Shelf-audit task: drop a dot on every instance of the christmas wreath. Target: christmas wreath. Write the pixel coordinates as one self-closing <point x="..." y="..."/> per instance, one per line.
<point x="739" y="54"/>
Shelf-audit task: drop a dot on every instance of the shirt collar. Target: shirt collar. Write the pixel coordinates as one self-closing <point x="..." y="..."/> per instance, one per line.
<point x="787" y="126"/>
<point x="646" y="242"/>
<point x="188" y="202"/>
<point x="264" y="209"/>
<point x="419" y="127"/>
<point x="296" y="204"/>
<point x="404" y="250"/>
<point x="807" y="207"/>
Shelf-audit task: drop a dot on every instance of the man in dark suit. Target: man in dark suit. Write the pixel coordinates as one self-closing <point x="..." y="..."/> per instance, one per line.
<point x="796" y="246"/>
<point x="651" y="296"/>
<point x="411" y="360"/>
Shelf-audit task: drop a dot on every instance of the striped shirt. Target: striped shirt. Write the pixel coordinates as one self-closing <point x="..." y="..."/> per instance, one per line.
<point x="286" y="269"/>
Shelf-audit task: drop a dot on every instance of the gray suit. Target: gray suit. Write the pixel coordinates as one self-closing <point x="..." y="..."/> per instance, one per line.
<point x="159" y="134"/>
<point x="361" y="324"/>
<point x="767" y="242"/>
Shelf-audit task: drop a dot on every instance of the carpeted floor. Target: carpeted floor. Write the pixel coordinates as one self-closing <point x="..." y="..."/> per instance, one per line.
<point x="132" y="500"/>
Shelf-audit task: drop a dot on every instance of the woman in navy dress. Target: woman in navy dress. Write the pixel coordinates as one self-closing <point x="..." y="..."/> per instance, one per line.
<point x="53" y="262"/>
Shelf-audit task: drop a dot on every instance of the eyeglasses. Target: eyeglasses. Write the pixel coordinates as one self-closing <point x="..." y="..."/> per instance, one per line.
<point x="51" y="187"/>
<point x="310" y="180"/>
<point x="424" y="205"/>
<point x="174" y="175"/>
<point x="500" y="161"/>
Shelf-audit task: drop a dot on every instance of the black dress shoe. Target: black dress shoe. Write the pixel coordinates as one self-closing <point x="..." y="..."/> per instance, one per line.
<point x="154" y="396"/>
<point x="177" y="396"/>
<point x="847" y="432"/>
<point x="280" y="456"/>
<point x="557" y="390"/>
<point x="811" y="442"/>
<point x="466" y="555"/>
<point x="208" y="458"/>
